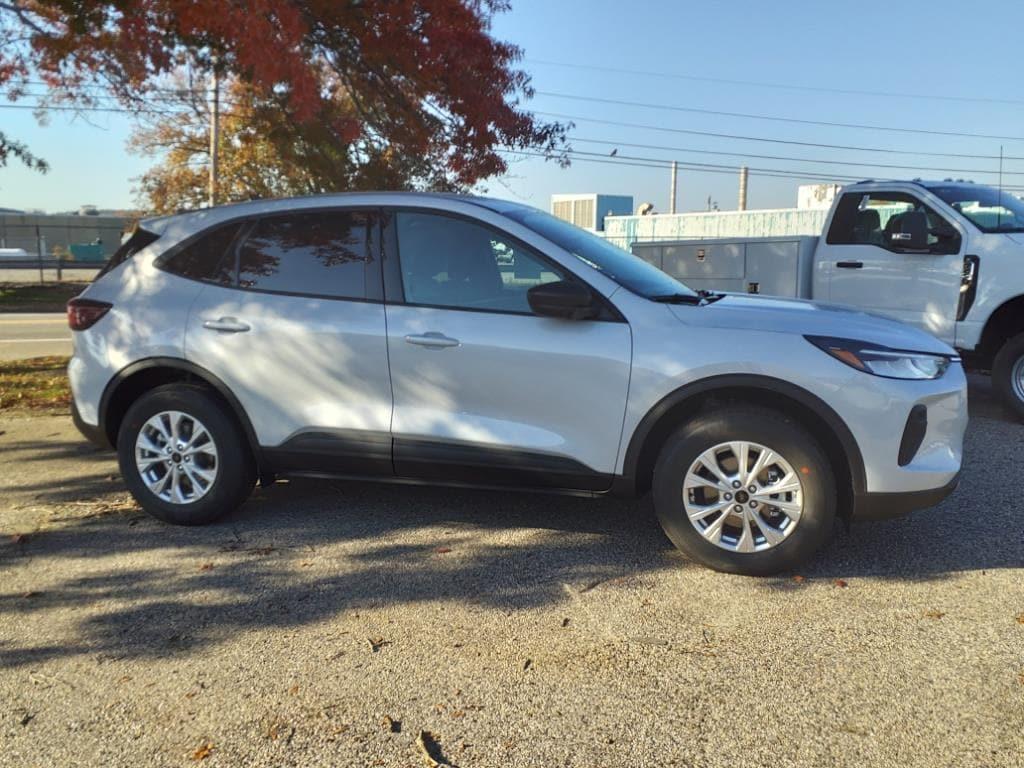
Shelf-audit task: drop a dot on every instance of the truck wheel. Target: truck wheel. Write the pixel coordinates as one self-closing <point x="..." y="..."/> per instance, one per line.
<point x="183" y="457"/>
<point x="1008" y="374"/>
<point x="745" y="490"/>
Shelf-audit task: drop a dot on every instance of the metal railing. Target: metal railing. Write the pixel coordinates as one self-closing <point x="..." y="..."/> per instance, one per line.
<point x="50" y="263"/>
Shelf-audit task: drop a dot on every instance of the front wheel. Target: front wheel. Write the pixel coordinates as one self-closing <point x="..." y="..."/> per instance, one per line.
<point x="745" y="490"/>
<point x="1008" y="375"/>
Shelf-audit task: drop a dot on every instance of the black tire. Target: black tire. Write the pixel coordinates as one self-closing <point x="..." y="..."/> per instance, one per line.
<point x="235" y="474"/>
<point x="766" y="427"/>
<point x="1003" y="366"/>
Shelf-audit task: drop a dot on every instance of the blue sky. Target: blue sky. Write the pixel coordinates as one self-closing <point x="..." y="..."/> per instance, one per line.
<point x="957" y="51"/>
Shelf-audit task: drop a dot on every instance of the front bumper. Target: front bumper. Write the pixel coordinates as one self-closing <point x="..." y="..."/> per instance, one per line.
<point x="883" y="506"/>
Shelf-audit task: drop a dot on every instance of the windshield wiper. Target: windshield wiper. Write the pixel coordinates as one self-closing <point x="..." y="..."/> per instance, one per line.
<point x="678" y="298"/>
<point x="710" y="296"/>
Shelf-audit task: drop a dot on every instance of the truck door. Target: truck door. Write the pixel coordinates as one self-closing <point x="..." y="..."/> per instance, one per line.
<point x="870" y="265"/>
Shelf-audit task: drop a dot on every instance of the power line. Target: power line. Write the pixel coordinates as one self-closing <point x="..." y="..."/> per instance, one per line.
<point x="794" y="159"/>
<point x="789" y="142"/>
<point x="775" y="118"/>
<point x="664" y="164"/>
<point x="784" y="86"/>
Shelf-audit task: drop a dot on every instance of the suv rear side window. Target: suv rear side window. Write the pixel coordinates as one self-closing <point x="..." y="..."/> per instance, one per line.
<point x="318" y="254"/>
<point x="135" y="242"/>
<point x="206" y="258"/>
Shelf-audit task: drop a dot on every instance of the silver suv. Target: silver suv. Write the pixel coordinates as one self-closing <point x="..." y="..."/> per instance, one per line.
<point x="459" y="340"/>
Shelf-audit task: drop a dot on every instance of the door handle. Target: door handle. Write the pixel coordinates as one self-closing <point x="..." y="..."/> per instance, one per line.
<point x="850" y="264"/>
<point x="432" y="340"/>
<point x="226" y="325"/>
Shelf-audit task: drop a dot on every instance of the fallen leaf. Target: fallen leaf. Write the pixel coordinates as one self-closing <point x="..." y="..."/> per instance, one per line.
<point x="206" y="567"/>
<point x="376" y="643"/>
<point x="25" y="719"/>
<point x="934" y="614"/>
<point x="431" y="750"/>
<point x="391" y="725"/>
<point x="203" y="752"/>
<point x="840" y="583"/>
<point x="1020" y="618"/>
<point x="19" y="538"/>
<point x="799" y="579"/>
<point x="527" y="664"/>
<point x="565" y="622"/>
<point x="458" y="713"/>
<point x="294" y="689"/>
<point x="442" y="550"/>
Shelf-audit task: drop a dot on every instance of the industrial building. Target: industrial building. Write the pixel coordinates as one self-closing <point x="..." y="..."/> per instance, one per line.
<point x="88" y="237"/>
<point x="808" y="218"/>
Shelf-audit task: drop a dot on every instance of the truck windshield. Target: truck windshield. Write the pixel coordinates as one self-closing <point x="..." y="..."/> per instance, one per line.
<point x="621" y="266"/>
<point x="989" y="209"/>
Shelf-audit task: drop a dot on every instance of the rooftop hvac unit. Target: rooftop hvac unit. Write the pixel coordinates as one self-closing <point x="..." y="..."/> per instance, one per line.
<point x="588" y="210"/>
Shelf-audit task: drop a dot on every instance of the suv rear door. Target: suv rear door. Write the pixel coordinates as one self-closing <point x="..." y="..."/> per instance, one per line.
<point x="292" y="321"/>
<point x="484" y="390"/>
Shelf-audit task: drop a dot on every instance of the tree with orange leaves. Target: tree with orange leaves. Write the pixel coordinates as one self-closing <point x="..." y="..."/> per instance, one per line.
<point x="419" y="79"/>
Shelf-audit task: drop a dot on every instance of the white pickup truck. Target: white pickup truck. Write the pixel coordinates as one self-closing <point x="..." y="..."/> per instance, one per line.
<point x="945" y="256"/>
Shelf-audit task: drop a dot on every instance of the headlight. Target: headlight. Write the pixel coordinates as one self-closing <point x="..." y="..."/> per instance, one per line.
<point x="882" y="361"/>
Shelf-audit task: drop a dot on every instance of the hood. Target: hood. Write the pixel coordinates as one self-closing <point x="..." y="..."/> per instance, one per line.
<point x="741" y="311"/>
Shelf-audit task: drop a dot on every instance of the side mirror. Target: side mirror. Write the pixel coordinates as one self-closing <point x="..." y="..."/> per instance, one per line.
<point x="912" y="233"/>
<point x="570" y="301"/>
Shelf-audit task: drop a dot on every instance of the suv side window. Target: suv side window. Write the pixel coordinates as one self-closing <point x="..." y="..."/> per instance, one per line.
<point x="321" y="253"/>
<point x="870" y="218"/>
<point x="208" y="257"/>
<point x="452" y="262"/>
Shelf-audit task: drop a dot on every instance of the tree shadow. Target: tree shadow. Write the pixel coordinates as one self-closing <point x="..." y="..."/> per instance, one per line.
<point x="301" y="553"/>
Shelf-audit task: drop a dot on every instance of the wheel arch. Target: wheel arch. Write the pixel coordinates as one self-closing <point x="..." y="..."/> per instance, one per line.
<point x="1005" y="322"/>
<point x="131" y="382"/>
<point x="808" y="409"/>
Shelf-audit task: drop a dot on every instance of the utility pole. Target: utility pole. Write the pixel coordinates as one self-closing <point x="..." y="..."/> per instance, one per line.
<point x="672" y="189"/>
<point x="214" y="136"/>
<point x="744" y="172"/>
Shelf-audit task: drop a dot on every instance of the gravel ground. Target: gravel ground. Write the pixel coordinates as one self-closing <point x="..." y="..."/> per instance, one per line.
<point x="329" y="623"/>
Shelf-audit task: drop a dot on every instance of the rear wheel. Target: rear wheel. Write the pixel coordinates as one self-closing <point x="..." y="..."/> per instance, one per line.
<point x="183" y="457"/>
<point x="1008" y="375"/>
<point x="745" y="490"/>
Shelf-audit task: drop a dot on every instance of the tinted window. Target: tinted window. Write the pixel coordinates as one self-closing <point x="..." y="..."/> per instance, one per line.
<point x="323" y="254"/>
<point x="451" y="262"/>
<point x="872" y="218"/>
<point x="130" y="245"/>
<point x="621" y="266"/>
<point x="207" y="257"/>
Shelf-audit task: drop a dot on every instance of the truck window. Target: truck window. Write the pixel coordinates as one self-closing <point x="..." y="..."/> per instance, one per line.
<point x="869" y="218"/>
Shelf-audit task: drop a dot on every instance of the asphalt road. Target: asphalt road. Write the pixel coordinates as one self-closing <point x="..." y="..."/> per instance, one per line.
<point x="24" y="335"/>
<point x="519" y="630"/>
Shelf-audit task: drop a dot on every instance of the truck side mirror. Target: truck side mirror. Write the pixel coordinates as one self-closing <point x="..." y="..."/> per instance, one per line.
<point x="911" y="234"/>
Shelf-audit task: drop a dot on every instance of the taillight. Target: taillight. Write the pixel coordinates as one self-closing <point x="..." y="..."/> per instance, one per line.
<point x="84" y="313"/>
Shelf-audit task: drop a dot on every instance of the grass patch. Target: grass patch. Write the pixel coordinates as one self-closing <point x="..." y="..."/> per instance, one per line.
<point x="35" y="297"/>
<point x="40" y="383"/>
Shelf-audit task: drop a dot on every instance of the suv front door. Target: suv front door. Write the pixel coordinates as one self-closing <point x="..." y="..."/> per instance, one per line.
<point x="870" y="269"/>
<point x="484" y="390"/>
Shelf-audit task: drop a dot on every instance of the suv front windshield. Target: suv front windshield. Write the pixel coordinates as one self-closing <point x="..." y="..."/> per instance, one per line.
<point x="621" y="266"/>
<point x="989" y="209"/>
